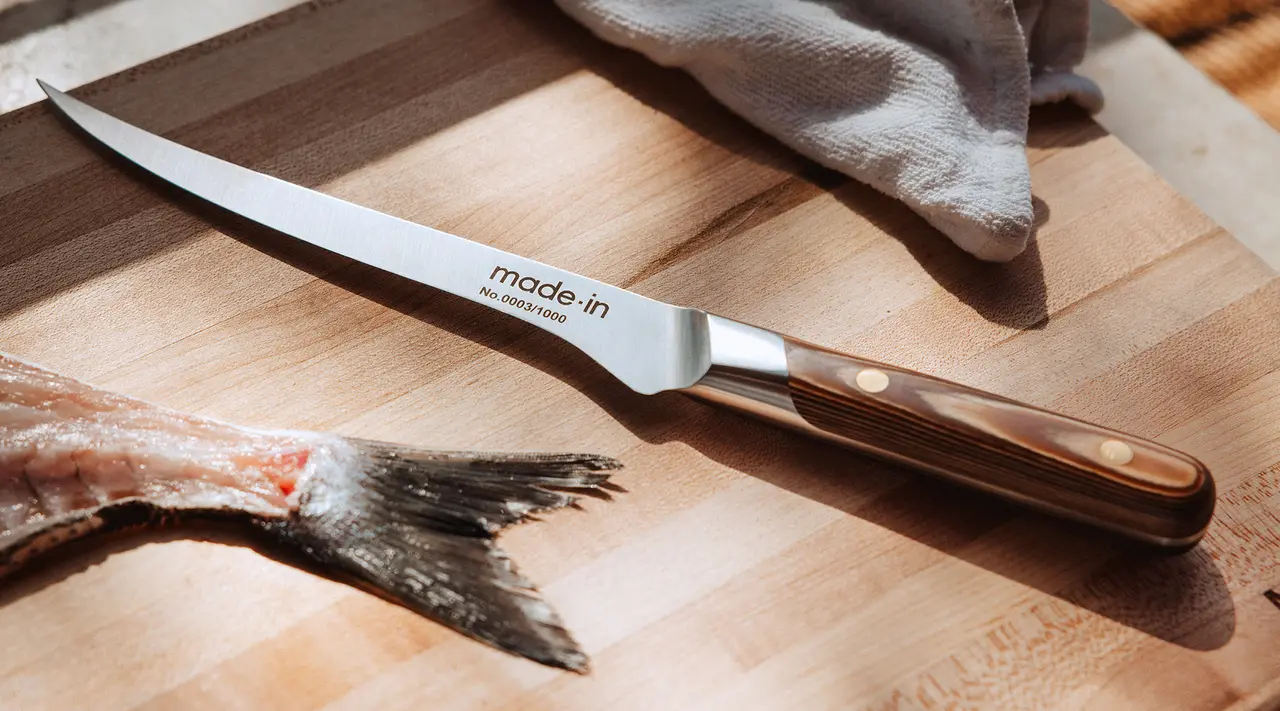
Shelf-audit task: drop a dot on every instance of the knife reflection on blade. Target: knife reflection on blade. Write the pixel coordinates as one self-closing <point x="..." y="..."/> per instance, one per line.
<point x="1048" y="461"/>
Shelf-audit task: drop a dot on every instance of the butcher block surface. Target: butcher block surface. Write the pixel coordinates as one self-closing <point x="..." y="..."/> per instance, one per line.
<point x="743" y="567"/>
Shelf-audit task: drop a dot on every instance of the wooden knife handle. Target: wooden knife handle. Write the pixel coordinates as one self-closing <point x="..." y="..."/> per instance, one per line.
<point x="1050" y="461"/>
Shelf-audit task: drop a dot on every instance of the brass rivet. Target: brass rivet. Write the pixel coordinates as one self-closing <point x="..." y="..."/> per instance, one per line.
<point x="1116" y="452"/>
<point x="872" y="380"/>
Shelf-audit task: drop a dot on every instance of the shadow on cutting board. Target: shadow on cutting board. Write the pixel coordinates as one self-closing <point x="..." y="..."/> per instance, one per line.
<point x="1181" y="599"/>
<point x="113" y="230"/>
<point x="32" y="16"/>
<point x="50" y="213"/>
<point x="1011" y="295"/>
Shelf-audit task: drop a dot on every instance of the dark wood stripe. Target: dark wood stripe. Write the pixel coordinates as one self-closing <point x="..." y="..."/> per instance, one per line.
<point x="989" y="459"/>
<point x="1199" y="34"/>
<point x="258" y="131"/>
<point x="984" y="457"/>
<point x="755" y="210"/>
<point x="176" y="58"/>
<point x="1174" y="18"/>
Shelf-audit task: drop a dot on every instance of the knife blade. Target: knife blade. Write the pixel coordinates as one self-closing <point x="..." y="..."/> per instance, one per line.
<point x="1044" y="460"/>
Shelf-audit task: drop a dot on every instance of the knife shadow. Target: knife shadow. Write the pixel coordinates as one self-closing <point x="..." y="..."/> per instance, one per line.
<point x="1181" y="599"/>
<point x="1178" y="598"/>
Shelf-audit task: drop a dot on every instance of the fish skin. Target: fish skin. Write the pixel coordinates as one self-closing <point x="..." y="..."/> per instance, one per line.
<point x="414" y="526"/>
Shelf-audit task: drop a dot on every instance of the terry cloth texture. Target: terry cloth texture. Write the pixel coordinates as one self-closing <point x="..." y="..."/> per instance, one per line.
<point x="925" y="100"/>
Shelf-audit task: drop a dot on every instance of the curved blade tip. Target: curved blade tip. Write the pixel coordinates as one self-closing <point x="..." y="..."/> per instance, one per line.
<point x="58" y="98"/>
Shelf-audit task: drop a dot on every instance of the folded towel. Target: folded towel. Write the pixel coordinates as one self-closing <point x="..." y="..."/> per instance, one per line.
<point x="925" y="100"/>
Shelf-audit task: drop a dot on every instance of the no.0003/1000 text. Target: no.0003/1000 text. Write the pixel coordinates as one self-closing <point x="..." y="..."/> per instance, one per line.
<point x="520" y="303"/>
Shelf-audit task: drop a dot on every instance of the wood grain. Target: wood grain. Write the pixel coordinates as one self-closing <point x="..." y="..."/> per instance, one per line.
<point x="1043" y="459"/>
<point x="745" y="567"/>
<point x="1235" y="42"/>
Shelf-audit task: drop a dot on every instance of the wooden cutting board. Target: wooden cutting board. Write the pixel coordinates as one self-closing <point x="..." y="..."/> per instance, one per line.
<point x="745" y="567"/>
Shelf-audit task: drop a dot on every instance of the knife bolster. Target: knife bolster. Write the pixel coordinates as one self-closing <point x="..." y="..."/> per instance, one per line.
<point x="748" y="373"/>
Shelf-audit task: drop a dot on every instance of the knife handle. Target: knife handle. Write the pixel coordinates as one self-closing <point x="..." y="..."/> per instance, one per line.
<point x="1055" y="463"/>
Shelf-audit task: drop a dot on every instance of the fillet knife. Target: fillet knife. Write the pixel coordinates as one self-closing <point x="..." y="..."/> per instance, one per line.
<point x="1057" y="464"/>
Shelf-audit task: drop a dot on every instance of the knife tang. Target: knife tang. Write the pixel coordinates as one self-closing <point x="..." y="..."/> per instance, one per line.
<point x="1055" y="463"/>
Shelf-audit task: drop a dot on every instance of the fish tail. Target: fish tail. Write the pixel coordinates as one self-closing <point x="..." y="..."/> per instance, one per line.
<point x="417" y="526"/>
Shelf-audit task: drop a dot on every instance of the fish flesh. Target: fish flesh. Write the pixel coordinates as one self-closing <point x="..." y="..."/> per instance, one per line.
<point x="415" y="526"/>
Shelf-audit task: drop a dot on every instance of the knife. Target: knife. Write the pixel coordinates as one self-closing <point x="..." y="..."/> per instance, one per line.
<point x="1041" y="459"/>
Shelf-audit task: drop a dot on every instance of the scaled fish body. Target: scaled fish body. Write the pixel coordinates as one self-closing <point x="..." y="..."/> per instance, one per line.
<point x="413" y="525"/>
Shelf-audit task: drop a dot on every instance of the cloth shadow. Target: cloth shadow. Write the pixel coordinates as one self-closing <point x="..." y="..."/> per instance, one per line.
<point x="35" y="15"/>
<point x="1010" y="294"/>
<point x="1189" y="606"/>
<point x="1061" y="125"/>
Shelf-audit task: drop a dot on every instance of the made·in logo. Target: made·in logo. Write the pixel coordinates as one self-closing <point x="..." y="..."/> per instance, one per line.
<point x="551" y="292"/>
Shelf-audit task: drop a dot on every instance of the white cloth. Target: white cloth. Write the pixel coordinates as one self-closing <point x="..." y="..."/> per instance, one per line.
<point x="925" y="100"/>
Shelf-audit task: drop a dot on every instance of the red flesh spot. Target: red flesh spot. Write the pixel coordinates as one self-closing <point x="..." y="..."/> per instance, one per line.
<point x="283" y="469"/>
